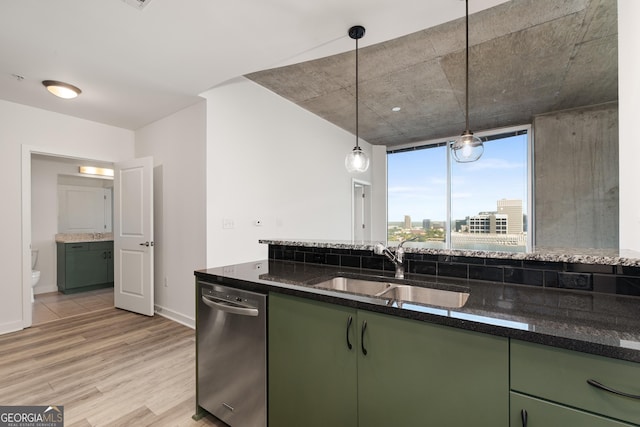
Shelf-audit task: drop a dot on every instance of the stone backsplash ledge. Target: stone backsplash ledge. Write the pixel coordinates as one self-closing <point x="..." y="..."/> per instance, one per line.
<point x="596" y="273"/>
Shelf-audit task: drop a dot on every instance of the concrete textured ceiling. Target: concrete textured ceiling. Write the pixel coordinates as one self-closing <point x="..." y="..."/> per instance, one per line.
<point x="136" y="66"/>
<point x="526" y="57"/>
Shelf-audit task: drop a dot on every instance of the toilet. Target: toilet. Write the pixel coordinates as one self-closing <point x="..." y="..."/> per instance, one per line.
<point x="35" y="274"/>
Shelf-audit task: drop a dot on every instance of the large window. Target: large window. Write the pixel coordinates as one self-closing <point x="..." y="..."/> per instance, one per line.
<point x="443" y="204"/>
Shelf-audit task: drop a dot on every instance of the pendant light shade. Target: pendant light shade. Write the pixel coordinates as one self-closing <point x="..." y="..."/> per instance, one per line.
<point x="467" y="147"/>
<point x="357" y="160"/>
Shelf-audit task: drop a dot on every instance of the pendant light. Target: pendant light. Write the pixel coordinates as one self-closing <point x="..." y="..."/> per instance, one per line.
<point x="467" y="147"/>
<point x="357" y="160"/>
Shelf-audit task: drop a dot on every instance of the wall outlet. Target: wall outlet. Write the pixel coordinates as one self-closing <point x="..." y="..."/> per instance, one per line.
<point x="227" y="223"/>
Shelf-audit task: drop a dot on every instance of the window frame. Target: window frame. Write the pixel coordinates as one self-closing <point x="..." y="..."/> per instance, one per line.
<point x="486" y="135"/>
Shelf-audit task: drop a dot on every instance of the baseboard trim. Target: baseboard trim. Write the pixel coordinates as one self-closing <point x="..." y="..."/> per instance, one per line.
<point x="175" y="316"/>
<point x="42" y="289"/>
<point x="7" y="328"/>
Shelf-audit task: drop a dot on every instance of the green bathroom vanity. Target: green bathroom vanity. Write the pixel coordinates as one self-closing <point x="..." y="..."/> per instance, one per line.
<point x="84" y="266"/>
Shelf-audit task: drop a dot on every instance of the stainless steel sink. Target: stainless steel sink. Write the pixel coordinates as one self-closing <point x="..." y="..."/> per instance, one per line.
<point x="430" y="296"/>
<point x="355" y="286"/>
<point x="396" y="293"/>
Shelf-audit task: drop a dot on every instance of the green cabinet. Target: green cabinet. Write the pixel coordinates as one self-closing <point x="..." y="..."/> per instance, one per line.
<point x="84" y="266"/>
<point x="531" y="412"/>
<point x="413" y="373"/>
<point x="312" y="372"/>
<point x="561" y="376"/>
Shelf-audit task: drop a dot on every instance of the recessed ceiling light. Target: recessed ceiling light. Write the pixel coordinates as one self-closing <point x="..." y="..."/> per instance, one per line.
<point x="61" y="90"/>
<point x="396" y="109"/>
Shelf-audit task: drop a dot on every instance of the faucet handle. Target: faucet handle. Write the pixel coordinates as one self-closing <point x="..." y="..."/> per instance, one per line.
<point x="379" y="249"/>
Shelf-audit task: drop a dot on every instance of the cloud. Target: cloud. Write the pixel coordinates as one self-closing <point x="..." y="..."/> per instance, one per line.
<point x="494" y="164"/>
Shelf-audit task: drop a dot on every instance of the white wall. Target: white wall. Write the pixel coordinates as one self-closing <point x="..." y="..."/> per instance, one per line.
<point x="22" y="125"/>
<point x="270" y="160"/>
<point x="44" y="213"/>
<point x="177" y="144"/>
<point x="629" y="102"/>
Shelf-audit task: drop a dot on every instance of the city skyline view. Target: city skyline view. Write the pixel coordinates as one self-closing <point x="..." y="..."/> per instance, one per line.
<point x="417" y="181"/>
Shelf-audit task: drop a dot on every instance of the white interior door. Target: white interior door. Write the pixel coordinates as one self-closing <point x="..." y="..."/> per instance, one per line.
<point x="133" y="235"/>
<point x="361" y="211"/>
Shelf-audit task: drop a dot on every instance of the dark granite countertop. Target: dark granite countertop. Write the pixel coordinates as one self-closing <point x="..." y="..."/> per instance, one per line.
<point x="622" y="257"/>
<point x="589" y="322"/>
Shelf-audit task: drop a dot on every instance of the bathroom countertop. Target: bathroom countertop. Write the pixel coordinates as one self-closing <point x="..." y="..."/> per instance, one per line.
<point x="589" y="322"/>
<point x="83" y="237"/>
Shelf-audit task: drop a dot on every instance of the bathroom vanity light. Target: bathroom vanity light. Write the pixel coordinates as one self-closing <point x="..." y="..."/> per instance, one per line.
<point x="357" y="160"/>
<point x="467" y="147"/>
<point x="90" y="170"/>
<point x="61" y="90"/>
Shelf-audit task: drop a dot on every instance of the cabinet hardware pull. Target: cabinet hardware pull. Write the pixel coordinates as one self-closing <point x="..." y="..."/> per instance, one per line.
<point x="596" y="384"/>
<point x="364" y="328"/>
<point x="349" y="322"/>
<point x="523" y="414"/>
<point x="104" y="255"/>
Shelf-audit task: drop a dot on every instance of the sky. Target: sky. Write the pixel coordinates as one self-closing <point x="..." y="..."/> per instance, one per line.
<point x="417" y="181"/>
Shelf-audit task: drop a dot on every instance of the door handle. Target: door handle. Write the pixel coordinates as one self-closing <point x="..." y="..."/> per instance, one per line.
<point x="233" y="309"/>
<point x="147" y="244"/>
<point x="349" y="322"/>
<point x="596" y="384"/>
<point x="364" y="328"/>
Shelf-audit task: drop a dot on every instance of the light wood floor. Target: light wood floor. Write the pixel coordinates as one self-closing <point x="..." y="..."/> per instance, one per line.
<point x="107" y="368"/>
<point x="55" y="305"/>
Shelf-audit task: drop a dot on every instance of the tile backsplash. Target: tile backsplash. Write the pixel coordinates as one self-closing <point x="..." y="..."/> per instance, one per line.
<point x="612" y="279"/>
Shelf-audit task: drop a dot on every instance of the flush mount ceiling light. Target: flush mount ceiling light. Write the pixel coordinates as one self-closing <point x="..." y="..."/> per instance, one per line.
<point x="357" y="160"/>
<point x="468" y="147"/>
<point x="61" y="90"/>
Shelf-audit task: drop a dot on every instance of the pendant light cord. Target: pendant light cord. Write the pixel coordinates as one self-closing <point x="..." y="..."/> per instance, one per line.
<point x="466" y="66"/>
<point x="357" y="98"/>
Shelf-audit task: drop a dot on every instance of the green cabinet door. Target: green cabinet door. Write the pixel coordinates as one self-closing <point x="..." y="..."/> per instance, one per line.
<point x="420" y="374"/>
<point x="540" y="413"/>
<point x="312" y="372"/>
<point x="84" y="265"/>
<point x="562" y="376"/>
<point x="86" y="268"/>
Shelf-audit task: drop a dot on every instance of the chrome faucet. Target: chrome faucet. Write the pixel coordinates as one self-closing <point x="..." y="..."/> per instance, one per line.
<point x="397" y="259"/>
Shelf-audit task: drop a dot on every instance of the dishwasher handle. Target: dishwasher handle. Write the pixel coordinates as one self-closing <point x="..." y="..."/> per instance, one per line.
<point x="233" y="309"/>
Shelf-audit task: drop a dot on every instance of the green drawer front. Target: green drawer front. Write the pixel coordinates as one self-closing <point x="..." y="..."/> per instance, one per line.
<point x="561" y="376"/>
<point x="545" y="414"/>
<point x="101" y="246"/>
<point x="76" y="247"/>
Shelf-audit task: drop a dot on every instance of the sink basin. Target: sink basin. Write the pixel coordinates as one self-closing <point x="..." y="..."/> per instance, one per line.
<point x="355" y="286"/>
<point x="396" y="293"/>
<point x="415" y="294"/>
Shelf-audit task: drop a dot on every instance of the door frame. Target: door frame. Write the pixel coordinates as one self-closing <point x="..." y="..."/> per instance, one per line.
<point x="367" y="206"/>
<point x="27" y="151"/>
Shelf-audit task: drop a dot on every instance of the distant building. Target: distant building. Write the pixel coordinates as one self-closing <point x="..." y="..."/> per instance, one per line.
<point x="488" y="223"/>
<point x="407" y="221"/>
<point x="512" y="208"/>
<point x="426" y="224"/>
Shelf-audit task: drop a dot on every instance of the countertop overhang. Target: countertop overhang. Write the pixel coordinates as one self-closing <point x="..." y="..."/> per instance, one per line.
<point x="588" y="322"/>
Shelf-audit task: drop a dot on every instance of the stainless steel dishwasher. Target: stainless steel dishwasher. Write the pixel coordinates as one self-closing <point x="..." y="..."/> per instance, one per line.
<point x="231" y="354"/>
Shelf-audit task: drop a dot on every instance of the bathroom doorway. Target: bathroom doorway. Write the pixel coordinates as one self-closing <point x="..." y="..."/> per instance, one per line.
<point x="47" y="227"/>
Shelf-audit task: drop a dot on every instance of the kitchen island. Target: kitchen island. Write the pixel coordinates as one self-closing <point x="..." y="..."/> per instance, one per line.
<point x="509" y="352"/>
